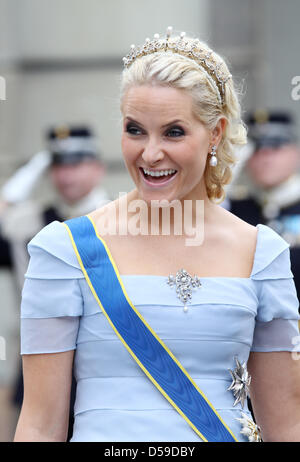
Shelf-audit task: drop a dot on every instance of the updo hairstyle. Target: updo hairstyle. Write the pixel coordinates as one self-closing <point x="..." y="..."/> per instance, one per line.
<point x="166" y="68"/>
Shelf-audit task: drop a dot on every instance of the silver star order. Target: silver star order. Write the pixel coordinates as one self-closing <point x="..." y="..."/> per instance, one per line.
<point x="250" y="429"/>
<point x="240" y="383"/>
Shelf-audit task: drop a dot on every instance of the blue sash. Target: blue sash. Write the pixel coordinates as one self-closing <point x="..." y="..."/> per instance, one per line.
<point x="148" y="350"/>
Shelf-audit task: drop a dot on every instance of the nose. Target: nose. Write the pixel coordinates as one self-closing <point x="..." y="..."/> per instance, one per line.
<point x="65" y="172"/>
<point x="152" y="153"/>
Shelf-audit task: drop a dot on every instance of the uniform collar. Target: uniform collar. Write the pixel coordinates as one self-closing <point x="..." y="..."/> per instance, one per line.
<point x="95" y="199"/>
<point x="281" y="196"/>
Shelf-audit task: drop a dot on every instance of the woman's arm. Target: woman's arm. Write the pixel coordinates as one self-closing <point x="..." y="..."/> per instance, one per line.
<point x="275" y="394"/>
<point x="47" y="384"/>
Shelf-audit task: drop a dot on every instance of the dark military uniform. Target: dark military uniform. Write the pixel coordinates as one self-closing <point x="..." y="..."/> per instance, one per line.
<point x="5" y="253"/>
<point x="279" y="209"/>
<point x="66" y="146"/>
<point x="286" y="223"/>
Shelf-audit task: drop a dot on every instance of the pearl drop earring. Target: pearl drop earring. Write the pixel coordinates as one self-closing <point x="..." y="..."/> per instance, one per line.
<point x="213" y="160"/>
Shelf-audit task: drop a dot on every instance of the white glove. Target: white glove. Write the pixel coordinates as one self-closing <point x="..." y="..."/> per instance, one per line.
<point x="19" y="186"/>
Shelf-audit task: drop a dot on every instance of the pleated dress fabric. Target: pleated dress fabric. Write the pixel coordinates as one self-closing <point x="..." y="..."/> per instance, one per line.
<point x="226" y="319"/>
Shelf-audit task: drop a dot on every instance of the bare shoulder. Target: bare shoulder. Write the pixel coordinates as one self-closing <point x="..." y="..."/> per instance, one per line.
<point x="237" y="233"/>
<point x="240" y="239"/>
<point x="236" y="226"/>
<point x="104" y="215"/>
<point x="108" y="217"/>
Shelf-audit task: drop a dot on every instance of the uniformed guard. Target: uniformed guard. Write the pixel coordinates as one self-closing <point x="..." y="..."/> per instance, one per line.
<point x="75" y="167"/>
<point x="267" y="189"/>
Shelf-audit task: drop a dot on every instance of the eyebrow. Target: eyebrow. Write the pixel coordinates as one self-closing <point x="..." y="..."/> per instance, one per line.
<point x="163" y="126"/>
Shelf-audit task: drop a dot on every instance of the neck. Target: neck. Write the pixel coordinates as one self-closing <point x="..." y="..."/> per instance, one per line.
<point x="179" y="217"/>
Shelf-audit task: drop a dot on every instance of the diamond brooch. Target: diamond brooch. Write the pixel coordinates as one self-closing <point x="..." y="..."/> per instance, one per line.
<point x="184" y="285"/>
<point x="240" y="383"/>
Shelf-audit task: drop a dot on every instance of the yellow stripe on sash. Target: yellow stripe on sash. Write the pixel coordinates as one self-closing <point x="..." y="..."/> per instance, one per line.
<point x="231" y="436"/>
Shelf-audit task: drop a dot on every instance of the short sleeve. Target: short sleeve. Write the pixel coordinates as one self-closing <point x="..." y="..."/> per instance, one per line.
<point x="52" y="302"/>
<point x="277" y="320"/>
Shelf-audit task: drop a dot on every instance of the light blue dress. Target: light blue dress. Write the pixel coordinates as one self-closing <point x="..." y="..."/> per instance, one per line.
<point x="227" y="319"/>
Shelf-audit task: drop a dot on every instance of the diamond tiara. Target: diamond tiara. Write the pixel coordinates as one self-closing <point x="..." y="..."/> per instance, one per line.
<point x="190" y="50"/>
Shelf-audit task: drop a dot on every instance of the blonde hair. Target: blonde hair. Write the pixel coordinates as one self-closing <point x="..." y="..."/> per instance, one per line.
<point x="172" y="69"/>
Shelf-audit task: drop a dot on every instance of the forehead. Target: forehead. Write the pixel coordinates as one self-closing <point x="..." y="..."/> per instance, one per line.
<point x="163" y="102"/>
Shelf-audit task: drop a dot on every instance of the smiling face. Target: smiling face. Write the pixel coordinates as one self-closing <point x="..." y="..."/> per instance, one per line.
<point x="74" y="181"/>
<point x="269" y="167"/>
<point x="161" y="133"/>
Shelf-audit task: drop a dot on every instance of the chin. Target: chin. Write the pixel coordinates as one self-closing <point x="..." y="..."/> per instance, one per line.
<point x="149" y="196"/>
<point x="69" y="197"/>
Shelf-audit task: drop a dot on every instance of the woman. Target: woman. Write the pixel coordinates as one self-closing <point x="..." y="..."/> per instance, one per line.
<point x="151" y="365"/>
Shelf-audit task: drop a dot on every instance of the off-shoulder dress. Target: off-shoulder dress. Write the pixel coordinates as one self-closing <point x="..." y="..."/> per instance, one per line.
<point x="227" y="319"/>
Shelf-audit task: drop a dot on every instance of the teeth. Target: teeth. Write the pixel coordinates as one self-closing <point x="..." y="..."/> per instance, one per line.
<point x="161" y="173"/>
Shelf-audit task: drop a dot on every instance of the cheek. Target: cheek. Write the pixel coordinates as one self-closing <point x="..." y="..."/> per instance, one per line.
<point x="88" y="176"/>
<point x="124" y="145"/>
<point x="130" y="148"/>
<point x="254" y="164"/>
<point x="85" y="175"/>
<point x="55" y="177"/>
<point x="193" y="154"/>
<point x="285" y="166"/>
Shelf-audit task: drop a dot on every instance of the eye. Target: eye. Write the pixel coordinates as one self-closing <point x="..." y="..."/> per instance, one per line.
<point x="133" y="129"/>
<point x="175" y="132"/>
